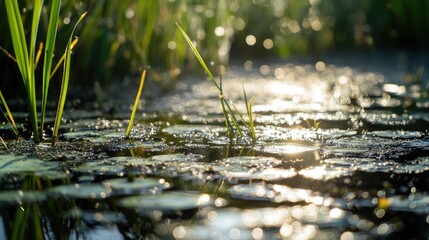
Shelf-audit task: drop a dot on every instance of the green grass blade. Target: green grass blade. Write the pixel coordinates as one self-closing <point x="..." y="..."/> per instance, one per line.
<point x="225" y="113"/>
<point x="31" y="84"/>
<point x="63" y="57"/>
<point x="18" y="37"/>
<point x="8" y="54"/>
<point x="8" y="115"/>
<point x="251" y="124"/>
<point x="233" y="118"/>
<point x="136" y="103"/>
<point x="197" y="54"/>
<point x="239" y="114"/>
<point x="39" y="53"/>
<point x="64" y="84"/>
<point x="49" y="55"/>
<point x="3" y="142"/>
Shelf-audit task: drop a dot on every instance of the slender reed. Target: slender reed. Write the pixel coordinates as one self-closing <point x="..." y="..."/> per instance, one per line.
<point x="64" y="83"/>
<point x="8" y="115"/>
<point x="136" y="103"/>
<point x="49" y="55"/>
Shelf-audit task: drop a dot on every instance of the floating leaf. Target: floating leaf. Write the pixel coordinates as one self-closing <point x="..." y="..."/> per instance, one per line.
<point x="83" y="191"/>
<point x="177" y="158"/>
<point x="21" y="164"/>
<point x="137" y="185"/>
<point x="171" y="201"/>
<point x="19" y="197"/>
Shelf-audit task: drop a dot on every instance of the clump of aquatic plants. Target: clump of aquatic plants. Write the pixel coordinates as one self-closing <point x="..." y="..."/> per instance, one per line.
<point x="27" y="58"/>
<point x="230" y="111"/>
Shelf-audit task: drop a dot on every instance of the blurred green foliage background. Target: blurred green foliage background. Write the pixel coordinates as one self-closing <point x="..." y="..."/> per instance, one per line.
<point x="119" y="38"/>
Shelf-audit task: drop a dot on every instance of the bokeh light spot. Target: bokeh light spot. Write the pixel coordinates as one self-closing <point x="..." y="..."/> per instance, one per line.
<point x="268" y="43"/>
<point x="251" y="40"/>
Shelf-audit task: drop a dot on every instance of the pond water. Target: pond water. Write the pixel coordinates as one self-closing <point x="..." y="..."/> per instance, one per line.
<point x="341" y="153"/>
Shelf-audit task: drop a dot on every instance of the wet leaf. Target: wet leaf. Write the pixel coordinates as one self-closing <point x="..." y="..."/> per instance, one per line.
<point x="171" y="201"/>
<point x="20" y="197"/>
<point x="83" y="191"/>
<point x="21" y="164"/>
<point x="137" y="185"/>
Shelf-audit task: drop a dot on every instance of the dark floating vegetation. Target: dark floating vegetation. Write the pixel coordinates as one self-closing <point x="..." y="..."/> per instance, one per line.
<point x="335" y="146"/>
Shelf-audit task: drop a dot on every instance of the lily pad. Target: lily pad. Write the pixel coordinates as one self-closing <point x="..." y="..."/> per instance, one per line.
<point x="138" y="185"/>
<point x="96" y="217"/>
<point x="373" y="165"/>
<point x="171" y="201"/>
<point x="288" y="148"/>
<point x="22" y="164"/>
<point x="250" y="161"/>
<point x="177" y="158"/>
<point x="83" y="191"/>
<point x="81" y="135"/>
<point x="194" y="131"/>
<point x="273" y="133"/>
<point x="19" y="197"/>
<point x="270" y="174"/>
<point x="397" y="134"/>
<point x="100" y="168"/>
<point x="53" y="175"/>
<point x="325" y="172"/>
<point x="127" y="161"/>
<point x="274" y="193"/>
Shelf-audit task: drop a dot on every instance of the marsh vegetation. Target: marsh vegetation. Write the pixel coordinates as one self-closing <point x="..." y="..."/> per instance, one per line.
<point x="310" y="124"/>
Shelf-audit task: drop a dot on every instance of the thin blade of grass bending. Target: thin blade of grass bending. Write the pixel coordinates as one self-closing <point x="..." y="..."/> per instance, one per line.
<point x="8" y="115"/>
<point x="136" y="103"/>
<point x="39" y="53"/>
<point x="48" y="57"/>
<point x="3" y="142"/>
<point x="228" y="125"/>
<point x="239" y="114"/>
<point x="63" y="57"/>
<point x="251" y="124"/>
<point x="8" y="54"/>
<point x="64" y="84"/>
<point x="233" y="118"/>
<point x="197" y="54"/>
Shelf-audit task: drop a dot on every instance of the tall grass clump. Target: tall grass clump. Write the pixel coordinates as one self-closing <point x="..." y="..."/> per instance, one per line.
<point x="230" y="115"/>
<point x="27" y="57"/>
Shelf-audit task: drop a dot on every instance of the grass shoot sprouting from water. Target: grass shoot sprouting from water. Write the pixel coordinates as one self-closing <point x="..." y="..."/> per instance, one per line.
<point x="229" y="114"/>
<point x="8" y="115"/>
<point x="27" y="58"/>
<point x="24" y="58"/>
<point x="136" y="103"/>
<point x="49" y="54"/>
<point x="64" y="83"/>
